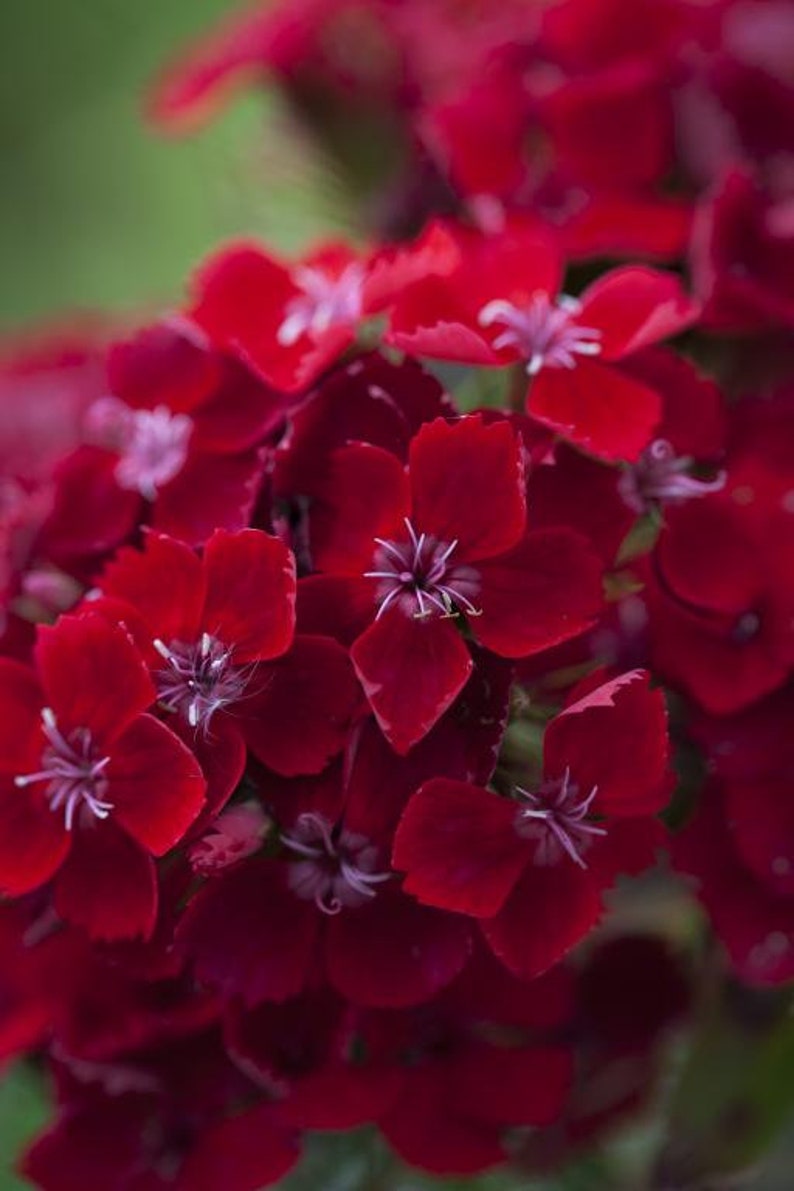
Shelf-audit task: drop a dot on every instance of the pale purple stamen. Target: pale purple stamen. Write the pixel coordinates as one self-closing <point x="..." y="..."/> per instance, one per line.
<point x="325" y="302"/>
<point x="337" y="869"/>
<point x="417" y="576"/>
<point x="557" y="818"/>
<point x="545" y="333"/>
<point x="660" y="477"/>
<point x="75" y="774"/>
<point x="152" y="443"/>
<point x="200" y="678"/>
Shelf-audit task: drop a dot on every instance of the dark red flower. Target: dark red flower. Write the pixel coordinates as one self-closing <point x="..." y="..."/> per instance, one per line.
<point x="92" y="787"/>
<point x="559" y="846"/>
<point x="443" y="545"/>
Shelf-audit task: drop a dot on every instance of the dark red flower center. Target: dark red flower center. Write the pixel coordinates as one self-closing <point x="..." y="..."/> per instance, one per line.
<point x="74" y="772"/>
<point x="200" y="679"/>
<point x="418" y="576"/>
<point x="545" y="333"/>
<point x="337" y="868"/>
<point x="557" y="817"/>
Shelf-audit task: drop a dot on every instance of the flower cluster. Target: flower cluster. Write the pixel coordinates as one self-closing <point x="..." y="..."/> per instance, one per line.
<point x="342" y="609"/>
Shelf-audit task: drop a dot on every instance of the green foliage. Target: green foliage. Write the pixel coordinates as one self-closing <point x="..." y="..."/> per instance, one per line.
<point x="23" y="1111"/>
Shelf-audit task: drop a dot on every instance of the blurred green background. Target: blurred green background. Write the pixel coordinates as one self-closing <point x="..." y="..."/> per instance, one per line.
<point x="97" y="210"/>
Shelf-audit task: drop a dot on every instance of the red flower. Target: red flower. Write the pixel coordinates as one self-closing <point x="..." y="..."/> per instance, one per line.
<point x="91" y="787"/>
<point x="288" y="323"/>
<point x="218" y="634"/>
<point x="328" y="902"/>
<point x="533" y="867"/>
<point x="439" y="546"/>
<point x="502" y="305"/>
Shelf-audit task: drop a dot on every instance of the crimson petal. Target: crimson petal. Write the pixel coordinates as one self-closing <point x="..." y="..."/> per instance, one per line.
<point x="411" y="671"/>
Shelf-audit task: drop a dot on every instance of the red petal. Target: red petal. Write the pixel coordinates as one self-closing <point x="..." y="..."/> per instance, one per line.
<point x="250" y="936"/>
<point x="709" y="561"/>
<point x="615" y="739"/>
<point x="362" y="494"/>
<point x="21" y="701"/>
<point x="163" y="364"/>
<point x="155" y="785"/>
<point x="527" y="1085"/>
<point x="598" y="407"/>
<point x="33" y="840"/>
<point x="92" y="675"/>
<point x="241" y="298"/>
<point x="107" y="884"/>
<point x="164" y="583"/>
<point x="245" y="1152"/>
<point x="411" y="671"/>
<point x="458" y="845"/>
<point x="426" y="1132"/>
<point x="393" y="953"/>
<point x="468" y="485"/>
<point x="300" y="717"/>
<point x="545" y="591"/>
<point x="250" y="603"/>
<point x="211" y="492"/>
<point x="549" y="911"/>
<point x="634" y="307"/>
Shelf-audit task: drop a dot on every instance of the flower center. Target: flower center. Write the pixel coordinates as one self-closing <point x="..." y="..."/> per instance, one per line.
<point x="74" y="772"/>
<point x="199" y="679"/>
<point x="152" y="443"/>
<point x="557" y="819"/>
<point x="417" y="576"/>
<point x="325" y="302"/>
<point x="545" y="333"/>
<point x="336" y="869"/>
<point x="659" y="476"/>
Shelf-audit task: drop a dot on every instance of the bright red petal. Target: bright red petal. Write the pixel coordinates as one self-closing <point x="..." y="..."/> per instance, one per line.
<point x="598" y="407"/>
<point x="468" y="485"/>
<point x="362" y="495"/>
<point x="164" y="582"/>
<point x="107" y="885"/>
<point x="250" y="604"/>
<point x="93" y="676"/>
<point x="614" y="740"/>
<point x="21" y="701"/>
<point x="155" y="785"/>
<point x="634" y="307"/>
<point x="33" y="840"/>
<point x="545" y="591"/>
<point x="411" y="671"/>
<point x="459" y="848"/>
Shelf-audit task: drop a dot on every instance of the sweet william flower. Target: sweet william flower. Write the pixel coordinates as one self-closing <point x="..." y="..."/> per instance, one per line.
<point x="443" y="544"/>
<point x="91" y="787"/>
<point x="218" y="633"/>
<point x="532" y="867"/>
<point x="504" y="305"/>
<point x="288" y="323"/>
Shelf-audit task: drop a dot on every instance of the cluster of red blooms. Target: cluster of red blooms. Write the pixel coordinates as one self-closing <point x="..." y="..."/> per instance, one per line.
<point x="331" y="705"/>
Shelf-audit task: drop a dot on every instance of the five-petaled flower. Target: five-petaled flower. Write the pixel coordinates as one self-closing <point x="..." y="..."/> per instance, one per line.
<point x="93" y="786"/>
